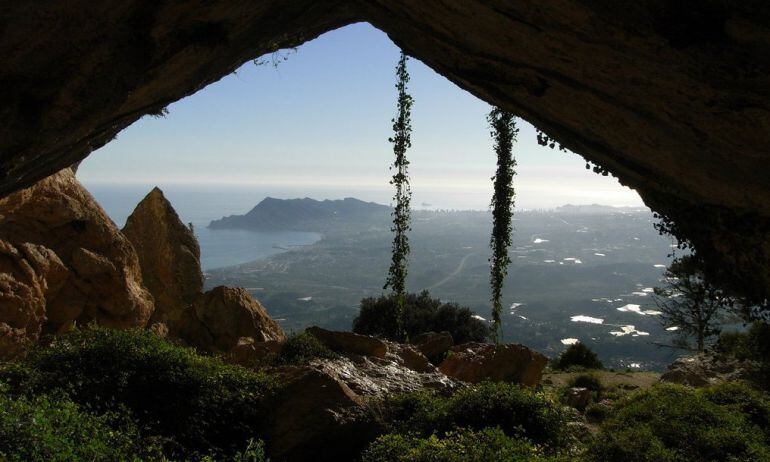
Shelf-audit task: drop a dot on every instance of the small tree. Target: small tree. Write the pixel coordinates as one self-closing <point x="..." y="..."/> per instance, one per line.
<point x="401" y="139"/>
<point x="503" y="131"/>
<point x="691" y="306"/>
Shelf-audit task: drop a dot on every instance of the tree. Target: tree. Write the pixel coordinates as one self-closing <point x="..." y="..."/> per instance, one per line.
<point x="503" y="131"/>
<point x="691" y="306"/>
<point x="401" y="139"/>
<point x="422" y="313"/>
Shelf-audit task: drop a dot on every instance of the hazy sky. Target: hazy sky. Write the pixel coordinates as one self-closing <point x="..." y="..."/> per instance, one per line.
<point x="322" y="120"/>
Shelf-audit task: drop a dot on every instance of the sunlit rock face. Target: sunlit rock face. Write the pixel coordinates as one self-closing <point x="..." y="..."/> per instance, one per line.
<point x="169" y="255"/>
<point x="64" y="262"/>
<point x="669" y="96"/>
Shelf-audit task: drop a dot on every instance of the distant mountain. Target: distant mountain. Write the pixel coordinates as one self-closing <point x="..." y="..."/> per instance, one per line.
<point x="595" y="209"/>
<point x="306" y="215"/>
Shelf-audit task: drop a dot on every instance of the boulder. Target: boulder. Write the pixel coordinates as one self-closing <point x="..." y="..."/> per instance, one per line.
<point x="315" y="416"/>
<point x="707" y="369"/>
<point x="66" y="262"/>
<point x="434" y="345"/>
<point x="409" y="357"/>
<point x="28" y="274"/>
<point x="477" y="362"/>
<point x="229" y="314"/>
<point x="349" y="343"/>
<point x="248" y="353"/>
<point x="169" y="256"/>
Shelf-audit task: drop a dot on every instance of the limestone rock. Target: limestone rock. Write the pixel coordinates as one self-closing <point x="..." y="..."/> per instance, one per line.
<point x="707" y="369"/>
<point x="350" y="343"/>
<point x="317" y="417"/>
<point x="229" y="314"/>
<point x="169" y="256"/>
<point x="373" y="377"/>
<point x="248" y="353"/>
<point x="86" y="270"/>
<point x="409" y="357"/>
<point x="476" y="362"/>
<point x="434" y="345"/>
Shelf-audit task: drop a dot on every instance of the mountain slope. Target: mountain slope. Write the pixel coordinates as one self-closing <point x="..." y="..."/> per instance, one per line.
<point x="306" y="215"/>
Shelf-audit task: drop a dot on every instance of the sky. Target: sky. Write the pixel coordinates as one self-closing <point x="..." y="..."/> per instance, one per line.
<point x="317" y="125"/>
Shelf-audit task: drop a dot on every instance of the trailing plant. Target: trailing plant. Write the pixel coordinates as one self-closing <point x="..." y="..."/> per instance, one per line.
<point x="503" y="131"/>
<point x="401" y="139"/>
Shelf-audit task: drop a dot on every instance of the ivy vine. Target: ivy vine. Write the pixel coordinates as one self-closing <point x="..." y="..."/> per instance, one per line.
<point x="401" y="140"/>
<point x="503" y="131"/>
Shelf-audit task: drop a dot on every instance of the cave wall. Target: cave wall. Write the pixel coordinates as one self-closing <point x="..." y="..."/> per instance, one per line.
<point x="671" y="97"/>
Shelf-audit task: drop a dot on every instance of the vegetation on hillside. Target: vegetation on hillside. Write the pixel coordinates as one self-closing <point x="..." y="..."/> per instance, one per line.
<point x="105" y="395"/>
<point x="577" y="356"/>
<point x="422" y="313"/>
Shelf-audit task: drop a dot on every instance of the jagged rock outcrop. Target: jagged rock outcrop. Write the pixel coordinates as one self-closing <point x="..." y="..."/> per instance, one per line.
<point x="708" y="369"/>
<point x="349" y="342"/>
<point x="434" y="345"/>
<point x="28" y="275"/>
<point x="317" y="417"/>
<point x="64" y="262"/>
<point x="230" y="314"/>
<point x="477" y="362"/>
<point x="217" y="321"/>
<point x="170" y="259"/>
<point x="669" y="96"/>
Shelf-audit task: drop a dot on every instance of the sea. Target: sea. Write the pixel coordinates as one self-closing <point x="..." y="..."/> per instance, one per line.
<point x="199" y="206"/>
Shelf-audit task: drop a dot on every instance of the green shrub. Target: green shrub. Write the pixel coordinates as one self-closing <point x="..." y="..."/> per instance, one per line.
<point x="489" y="445"/>
<point x="577" y="355"/>
<point x="516" y="411"/>
<point x="741" y="398"/>
<point x="197" y="404"/>
<point x="753" y="344"/>
<point x="590" y="381"/>
<point x="597" y="412"/>
<point x="423" y="314"/>
<point x="48" y="429"/>
<point x="669" y="423"/>
<point x="303" y="348"/>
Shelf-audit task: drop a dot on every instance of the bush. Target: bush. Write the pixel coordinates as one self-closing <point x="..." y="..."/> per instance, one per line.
<point x="197" y="404"/>
<point x="303" y="348"/>
<point x="516" y="411"/>
<point x="422" y="314"/>
<point x="670" y="423"/>
<point x="490" y="445"/>
<point x="590" y="381"/>
<point x="741" y="398"/>
<point x="47" y="429"/>
<point x="577" y="356"/>
<point x="753" y="344"/>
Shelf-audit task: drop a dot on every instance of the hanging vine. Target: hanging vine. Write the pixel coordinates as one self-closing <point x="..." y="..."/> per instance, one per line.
<point x="503" y="132"/>
<point x="401" y="139"/>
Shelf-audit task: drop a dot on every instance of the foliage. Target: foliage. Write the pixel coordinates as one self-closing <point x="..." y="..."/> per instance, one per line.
<point x="670" y="423"/>
<point x="488" y="445"/>
<point x="503" y="132"/>
<point x="422" y="313"/>
<point x="689" y="303"/>
<point x="517" y="411"/>
<point x="54" y="429"/>
<point x="197" y="405"/>
<point x="577" y="355"/>
<point x="589" y="381"/>
<point x="401" y="139"/>
<point x="303" y="348"/>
